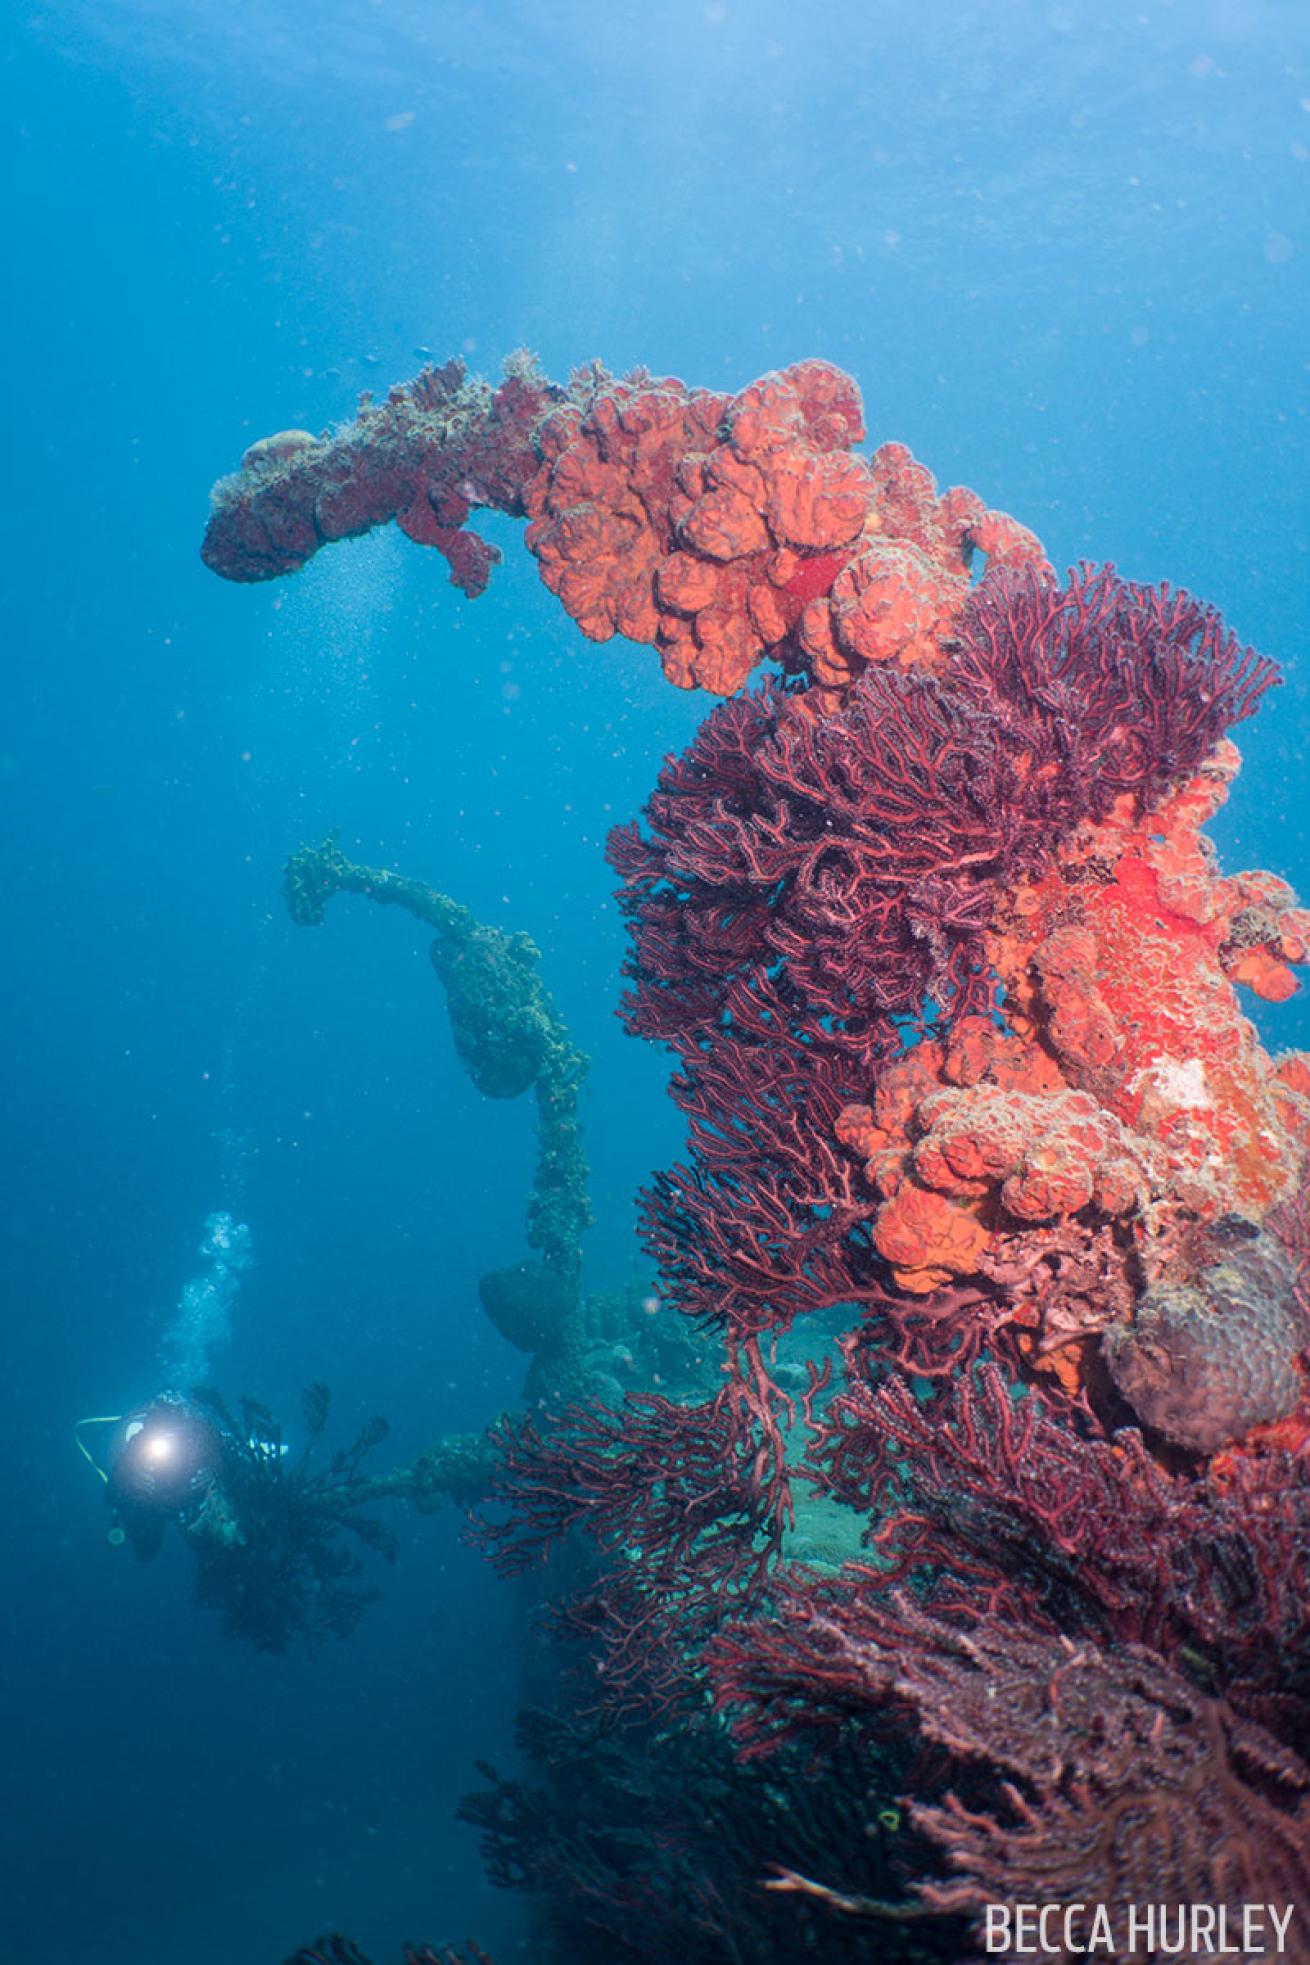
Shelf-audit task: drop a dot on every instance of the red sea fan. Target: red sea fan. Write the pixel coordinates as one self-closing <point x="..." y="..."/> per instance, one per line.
<point x="757" y="1226"/>
<point x="1078" y="1773"/>
<point x="1132" y="687"/>
<point x="852" y="854"/>
<point x="686" y="1505"/>
<point x="1008" y="1505"/>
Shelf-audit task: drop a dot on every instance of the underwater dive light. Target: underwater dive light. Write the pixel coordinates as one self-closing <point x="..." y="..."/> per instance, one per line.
<point x="162" y="1454"/>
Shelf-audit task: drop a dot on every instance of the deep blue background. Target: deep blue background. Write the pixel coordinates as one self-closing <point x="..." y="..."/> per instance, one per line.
<point x="1064" y="249"/>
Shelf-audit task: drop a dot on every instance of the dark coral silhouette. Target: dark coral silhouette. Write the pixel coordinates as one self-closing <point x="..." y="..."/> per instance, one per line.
<point x="273" y="1545"/>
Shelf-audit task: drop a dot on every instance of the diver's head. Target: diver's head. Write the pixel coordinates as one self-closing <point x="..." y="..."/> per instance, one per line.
<point x="166" y="1455"/>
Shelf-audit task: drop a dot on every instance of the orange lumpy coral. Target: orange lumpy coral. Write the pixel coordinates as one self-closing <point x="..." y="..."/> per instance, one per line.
<point x="1103" y="1170"/>
<point x="928" y="1238"/>
<point x="723" y="529"/>
<point x="980" y="1162"/>
<point x="1291" y="1089"/>
<point x="1051" y="1154"/>
<point x="663" y="513"/>
<point x="979" y="1138"/>
<point x="1266" y="975"/>
<point x="1268" y="935"/>
<point x="1128" y="979"/>
<point x="890" y="604"/>
<point x="898" y="598"/>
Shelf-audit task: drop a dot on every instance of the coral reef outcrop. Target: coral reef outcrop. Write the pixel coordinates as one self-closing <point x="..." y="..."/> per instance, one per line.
<point x="977" y="1121"/>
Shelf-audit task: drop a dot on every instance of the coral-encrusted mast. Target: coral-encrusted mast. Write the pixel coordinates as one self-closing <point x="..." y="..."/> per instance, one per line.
<point x="424" y="457"/>
<point x="720" y="528"/>
<point x="978" y="805"/>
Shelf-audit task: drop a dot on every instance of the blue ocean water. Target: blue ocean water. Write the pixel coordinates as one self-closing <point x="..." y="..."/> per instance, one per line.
<point x="1065" y="251"/>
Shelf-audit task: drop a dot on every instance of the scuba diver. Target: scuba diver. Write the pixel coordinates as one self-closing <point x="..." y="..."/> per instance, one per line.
<point x="164" y="1464"/>
<point x="275" y="1541"/>
<point x="166" y="1460"/>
